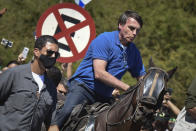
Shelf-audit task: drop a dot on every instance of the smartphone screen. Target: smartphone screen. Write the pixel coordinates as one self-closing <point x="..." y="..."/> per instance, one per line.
<point x="25" y="52"/>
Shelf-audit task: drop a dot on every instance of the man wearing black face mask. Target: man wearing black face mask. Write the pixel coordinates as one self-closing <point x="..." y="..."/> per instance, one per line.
<point x="27" y="96"/>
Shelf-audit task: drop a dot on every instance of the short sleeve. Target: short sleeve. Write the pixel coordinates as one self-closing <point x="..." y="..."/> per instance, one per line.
<point x="100" y="48"/>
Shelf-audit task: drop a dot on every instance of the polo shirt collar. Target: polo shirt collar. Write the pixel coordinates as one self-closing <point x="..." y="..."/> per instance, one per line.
<point x="117" y="40"/>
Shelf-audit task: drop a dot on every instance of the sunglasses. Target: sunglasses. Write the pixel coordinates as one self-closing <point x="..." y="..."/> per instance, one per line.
<point x="50" y="53"/>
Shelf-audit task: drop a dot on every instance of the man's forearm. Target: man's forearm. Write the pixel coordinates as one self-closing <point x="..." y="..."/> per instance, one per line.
<point x="173" y="107"/>
<point x="69" y="70"/>
<point x="110" y="80"/>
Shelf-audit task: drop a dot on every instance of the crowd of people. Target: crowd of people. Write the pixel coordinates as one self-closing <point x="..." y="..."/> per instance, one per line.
<point x="38" y="95"/>
<point x="165" y="116"/>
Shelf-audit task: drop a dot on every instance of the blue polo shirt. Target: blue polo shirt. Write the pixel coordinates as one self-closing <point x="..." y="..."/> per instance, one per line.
<point x="107" y="47"/>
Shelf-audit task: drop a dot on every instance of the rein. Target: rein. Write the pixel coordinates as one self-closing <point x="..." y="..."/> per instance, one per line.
<point x="137" y="104"/>
<point x="130" y="117"/>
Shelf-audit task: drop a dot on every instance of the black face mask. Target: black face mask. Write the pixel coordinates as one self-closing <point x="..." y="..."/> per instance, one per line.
<point x="47" y="61"/>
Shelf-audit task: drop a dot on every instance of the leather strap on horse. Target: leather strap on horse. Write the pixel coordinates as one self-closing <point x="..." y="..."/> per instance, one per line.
<point x="74" y="116"/>
<point x="98" y="107"/>
<point x="91" y="112"/>
<point x="156" y="68"/>
<point x="123" y="121"/>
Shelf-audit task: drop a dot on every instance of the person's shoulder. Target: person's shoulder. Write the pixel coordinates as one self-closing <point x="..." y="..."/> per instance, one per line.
<point x="103" y="38"/>
<point x="191" y="89"/>
<point x="108" y="37"/>
<point x="15" y="71"/>
<point x="22" y="67"/>
<point x="108" y="34"/>
<point x="133" y="47"/>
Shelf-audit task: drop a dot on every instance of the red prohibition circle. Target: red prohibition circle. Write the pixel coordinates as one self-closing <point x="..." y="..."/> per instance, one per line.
<point x="66" y="32"/>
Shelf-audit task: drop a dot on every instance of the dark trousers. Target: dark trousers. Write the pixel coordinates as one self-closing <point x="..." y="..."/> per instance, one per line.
<point x="77" y="94"/>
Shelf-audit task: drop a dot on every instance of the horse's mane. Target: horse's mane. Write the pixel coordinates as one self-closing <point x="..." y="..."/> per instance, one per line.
<point x="130" y="90"/>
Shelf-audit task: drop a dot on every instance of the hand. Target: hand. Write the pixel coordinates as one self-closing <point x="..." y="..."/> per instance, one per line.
<point x="115" y="93"/>
<point x="3" y="11"/>
<point x="167" y="96"/>
<point x="64" y="66"/>
<point x="165" y="103"/>
<point x="21" y="59"/>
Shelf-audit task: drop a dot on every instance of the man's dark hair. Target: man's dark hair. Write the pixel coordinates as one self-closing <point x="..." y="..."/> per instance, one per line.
<point x="64" y="82"/>
<point x="130" y="14"/>
<point x="169" y="90"/>
<point x="42" y="40"/>
<point x="12" y="62"/>
<point x="147" y="126"/>
<point x="54" y="74"/>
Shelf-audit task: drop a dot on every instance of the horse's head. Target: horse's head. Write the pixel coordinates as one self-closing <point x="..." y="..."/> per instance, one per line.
<point x="154" y="86"/>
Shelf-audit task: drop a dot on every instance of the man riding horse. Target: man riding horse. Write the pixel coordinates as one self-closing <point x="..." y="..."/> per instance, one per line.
<point x="109" y="56"/>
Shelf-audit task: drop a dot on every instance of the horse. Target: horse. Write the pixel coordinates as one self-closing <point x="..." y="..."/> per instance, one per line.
<point x="132" y="109"/>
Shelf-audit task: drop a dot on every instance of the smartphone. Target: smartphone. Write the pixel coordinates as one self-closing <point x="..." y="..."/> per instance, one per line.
<point x="25" y="52"/>
<point x="6" y="42"/>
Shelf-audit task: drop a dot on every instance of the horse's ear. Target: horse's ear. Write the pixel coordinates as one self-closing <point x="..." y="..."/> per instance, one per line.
<point x="151" y="63"/>
<point x="171" y="72"/>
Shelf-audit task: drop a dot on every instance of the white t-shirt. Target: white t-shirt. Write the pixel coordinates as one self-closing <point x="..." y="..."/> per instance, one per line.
<point x="39" y="80"/>
<point x="184" y="122"/>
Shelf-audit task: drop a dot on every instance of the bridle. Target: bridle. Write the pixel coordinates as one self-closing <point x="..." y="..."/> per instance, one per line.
<point x="142" y="101"/>
<point x="123" y="121"/>
<point x="157" y="68"/>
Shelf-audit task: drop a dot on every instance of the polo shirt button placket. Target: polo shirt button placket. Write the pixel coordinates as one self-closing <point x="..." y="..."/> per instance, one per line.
<point x="125" y="59"/>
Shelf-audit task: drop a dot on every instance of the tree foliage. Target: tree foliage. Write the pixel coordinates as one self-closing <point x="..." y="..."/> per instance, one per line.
<point x="168" y="34"/>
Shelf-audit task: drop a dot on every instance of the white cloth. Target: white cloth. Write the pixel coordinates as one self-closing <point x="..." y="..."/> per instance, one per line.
<point x="184" y="122"/>
<point x="39" y="79"/>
